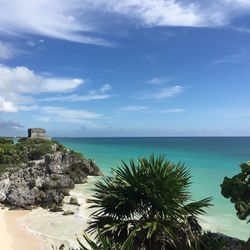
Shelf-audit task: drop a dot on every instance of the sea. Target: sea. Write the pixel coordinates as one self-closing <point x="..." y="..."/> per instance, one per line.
<point x="209" y="159"/>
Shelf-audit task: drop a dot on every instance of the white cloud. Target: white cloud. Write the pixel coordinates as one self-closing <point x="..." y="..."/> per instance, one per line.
<point x="23" y="80"/>
<point x="31" y="44"/>
<point x="158" y="80"/>
<point x="160" y="93"/>
<point x="232" y="58"/>
<point x="6" y="51"/>
<point x="238" y="3"/>
<point x="7" y="106"/>
<point x="133" y="108"/>
<point x="84" y="20"/>
<point x="36" y="43"/>
<point x="99" y="94"/>
<point x="106" y="87"/>
<point x="58" y="84"/>
<point x="28" y="107"/>
<point x="68" y="20"/>
<point x="158" y="12"/>
<point x="174" y="110"/>
<point x="77" y="98"/>
<point x="68" y="115"/>
<point x="200" y="13"/>
<point x="18" y="83"/>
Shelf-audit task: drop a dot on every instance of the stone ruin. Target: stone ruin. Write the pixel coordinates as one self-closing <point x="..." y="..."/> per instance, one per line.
<point x="39" y="133"/>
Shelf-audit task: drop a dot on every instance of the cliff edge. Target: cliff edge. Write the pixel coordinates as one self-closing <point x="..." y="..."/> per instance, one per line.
<point x="37" y="172"/>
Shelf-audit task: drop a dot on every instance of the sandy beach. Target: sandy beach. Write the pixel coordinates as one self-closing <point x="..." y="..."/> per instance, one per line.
<point x="54" y="228"/>
<point x="39" y="229"/>
<point x="12" y="235"/>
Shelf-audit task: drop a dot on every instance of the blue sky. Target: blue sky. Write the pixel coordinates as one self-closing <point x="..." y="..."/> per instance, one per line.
<point x="125" y="68"/>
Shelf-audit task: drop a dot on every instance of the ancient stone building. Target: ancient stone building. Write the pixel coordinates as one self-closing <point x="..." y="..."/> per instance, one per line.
<point x="37" y="133"/>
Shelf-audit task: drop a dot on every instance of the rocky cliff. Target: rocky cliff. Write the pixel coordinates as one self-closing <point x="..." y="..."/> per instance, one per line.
<point x="41" y="178"/>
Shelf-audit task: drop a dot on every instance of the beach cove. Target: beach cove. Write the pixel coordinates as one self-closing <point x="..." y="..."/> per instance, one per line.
<point x="41" y="229"/>
<point x="210" y="159"/>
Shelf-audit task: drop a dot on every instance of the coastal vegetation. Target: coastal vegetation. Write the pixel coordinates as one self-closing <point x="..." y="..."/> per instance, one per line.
<point x="15" y="155"/>
<point x="207" y="241"/>
<point x="237" y="189"/>
<point x="104" y="243"/>
<point x="40" y="172"/>
<point x="151" y="198"/>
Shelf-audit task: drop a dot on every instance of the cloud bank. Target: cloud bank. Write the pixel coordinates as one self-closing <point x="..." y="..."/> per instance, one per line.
<point x="160" y="93"/>
<point x="83" y="20"/>
<point x="98" y="94"/>
<point x="61" y="114"/>
<point x="17" y="84"/>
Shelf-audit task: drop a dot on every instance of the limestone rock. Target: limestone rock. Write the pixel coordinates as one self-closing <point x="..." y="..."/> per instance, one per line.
<point x="54" y="147"/>
<point x="2" y="197"/>
<point x="53" y="163"/>
<point x="4" y="185"/>
<point x="21" y="197"/>
<point x="68" y="212"/>
<point x="56" y="209"/>
<point x="45" y="182"/>
<point x="74" y="201"/>
<point x="57" y="182"/>
<point x="93" y="169"/>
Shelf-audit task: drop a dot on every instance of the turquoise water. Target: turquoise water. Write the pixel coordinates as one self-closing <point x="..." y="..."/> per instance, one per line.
<point x="209" y="159"/>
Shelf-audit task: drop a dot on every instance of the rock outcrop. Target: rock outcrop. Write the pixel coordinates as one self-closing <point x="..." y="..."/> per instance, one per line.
<point x="68" y="212"/>
<point x="74" y="201"/>
<point x="228" y="243"/>
<point x="46" y="181"/>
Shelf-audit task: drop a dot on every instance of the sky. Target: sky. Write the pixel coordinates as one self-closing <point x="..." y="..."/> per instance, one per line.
<point x="125" y="68"/>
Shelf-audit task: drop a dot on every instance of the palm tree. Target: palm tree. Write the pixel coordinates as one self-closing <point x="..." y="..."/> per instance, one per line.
<point x="105" y="243"/>
<point x="151" y="197"/>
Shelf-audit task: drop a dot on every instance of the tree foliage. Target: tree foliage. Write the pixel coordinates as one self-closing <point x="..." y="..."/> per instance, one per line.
<point x="151" y="197"/>
<point x="13" y="155"/>
<point x="104" y="243"/>
<point x="237" y="189"/>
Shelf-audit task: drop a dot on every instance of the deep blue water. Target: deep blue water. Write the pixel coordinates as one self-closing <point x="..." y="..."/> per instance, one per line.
<point x="209" y="160"/>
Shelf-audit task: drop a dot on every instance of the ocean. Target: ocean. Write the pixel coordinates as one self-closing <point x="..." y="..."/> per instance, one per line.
<point x="208" y="158"/>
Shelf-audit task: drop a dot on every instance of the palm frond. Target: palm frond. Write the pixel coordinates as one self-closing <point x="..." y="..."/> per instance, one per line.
<point x="152" y="196"/>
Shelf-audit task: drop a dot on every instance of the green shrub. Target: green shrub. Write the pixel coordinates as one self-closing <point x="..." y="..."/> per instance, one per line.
<point x="55" y="177"/>
<point x="237" y="189"/>
<point x="6" y="141"/>
<point x="24" y="151"/>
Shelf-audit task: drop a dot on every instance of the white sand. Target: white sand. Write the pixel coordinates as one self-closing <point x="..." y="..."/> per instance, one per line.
<point x="54" y="228"/>
<point x="12" y="235"/>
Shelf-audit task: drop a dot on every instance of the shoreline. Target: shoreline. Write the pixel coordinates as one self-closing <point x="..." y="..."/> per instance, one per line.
<point x="13" y="235"/>
<point x="53" y="228"/>
<point x="39" y="229"/>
